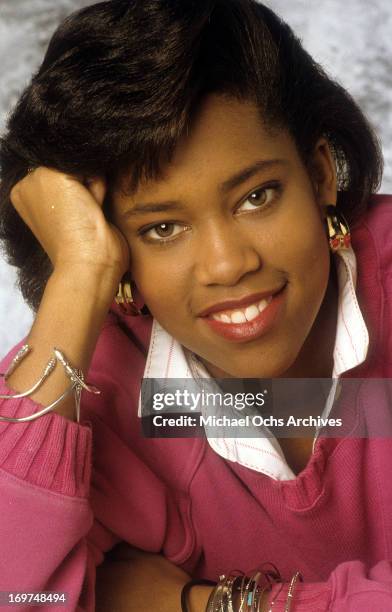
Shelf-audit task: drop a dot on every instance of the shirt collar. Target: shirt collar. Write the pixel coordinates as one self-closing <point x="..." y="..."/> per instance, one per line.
<point x="167" y="358"/>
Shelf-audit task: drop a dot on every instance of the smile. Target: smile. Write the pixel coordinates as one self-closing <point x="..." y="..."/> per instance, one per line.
<point x="249" y="322"/>
<point x="241" y="315"/>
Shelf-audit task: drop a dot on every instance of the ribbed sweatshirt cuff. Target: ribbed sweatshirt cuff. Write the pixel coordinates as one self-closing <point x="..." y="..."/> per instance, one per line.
<point x="51" y="452"/>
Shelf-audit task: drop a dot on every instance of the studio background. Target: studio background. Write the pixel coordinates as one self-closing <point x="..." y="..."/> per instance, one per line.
<point x="351" y="39"/>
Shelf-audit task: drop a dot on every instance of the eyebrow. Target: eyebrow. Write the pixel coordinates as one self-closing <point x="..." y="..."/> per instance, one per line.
<point x="228" y="185"/>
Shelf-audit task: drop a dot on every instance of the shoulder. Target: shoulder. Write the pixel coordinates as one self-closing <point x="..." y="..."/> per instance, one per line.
<point x="372" y="236"/>
<point x="378" y="217"/>
<point x="372" y="242"/>
<point x="117" y="368"/>
<point x="123" y="339"/>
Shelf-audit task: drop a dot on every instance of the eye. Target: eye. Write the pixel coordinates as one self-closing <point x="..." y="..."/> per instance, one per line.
<point x="260" y="198"/>
<point x="162" y="232"/>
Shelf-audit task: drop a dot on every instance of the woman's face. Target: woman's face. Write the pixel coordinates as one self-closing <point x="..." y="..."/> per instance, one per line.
<point x="229" y="249"/>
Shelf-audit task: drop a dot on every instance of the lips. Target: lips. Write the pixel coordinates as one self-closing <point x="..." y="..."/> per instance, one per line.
<point x="240" y="304"/>
<point x="245" y="330"/>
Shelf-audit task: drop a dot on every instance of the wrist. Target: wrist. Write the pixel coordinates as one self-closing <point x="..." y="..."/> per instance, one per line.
<point x="264" y="605"/>
<point x="198" y="598"/>
<point x="95" y="283"/>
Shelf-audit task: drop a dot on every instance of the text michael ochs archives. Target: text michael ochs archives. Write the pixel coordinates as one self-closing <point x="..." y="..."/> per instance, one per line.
<point x="203" y="401"/>
<point x="256" y="420"/>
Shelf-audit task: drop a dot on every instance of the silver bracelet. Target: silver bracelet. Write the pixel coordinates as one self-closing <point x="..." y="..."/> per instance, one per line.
<point x="16" y="360"/>
<point x="250" y="595"/>
<point x="36" y="415"/>
<point x="21" y="354"/>
<point x="76" y="377"/>
<point x="276" y="597"/>
<point x="214" y="600"/>
<point x="290" y="592"/>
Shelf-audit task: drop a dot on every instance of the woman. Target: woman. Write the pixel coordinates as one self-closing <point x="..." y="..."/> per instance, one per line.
<point x="197" y="150"/>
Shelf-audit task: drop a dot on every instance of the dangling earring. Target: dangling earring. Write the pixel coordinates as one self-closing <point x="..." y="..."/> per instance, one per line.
<point x="124" y="299"/>
<point x="339" y="236"/>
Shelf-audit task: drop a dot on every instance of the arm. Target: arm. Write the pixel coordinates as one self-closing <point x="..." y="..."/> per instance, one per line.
<point x="88" y="256"/>
<point x="45" y="512"/>
<point x="45" y="464"/>
<point x="135" y="580"/>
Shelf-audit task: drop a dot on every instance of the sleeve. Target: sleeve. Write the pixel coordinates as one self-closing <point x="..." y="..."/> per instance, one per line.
<point x="44" y="508"/>
<point x="70" y="492"/>
<point x="49" y="538"/>
<point x="351" y="587"/>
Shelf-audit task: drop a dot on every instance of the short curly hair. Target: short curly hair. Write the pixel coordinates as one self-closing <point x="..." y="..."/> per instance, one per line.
<point x="119" y="85"/>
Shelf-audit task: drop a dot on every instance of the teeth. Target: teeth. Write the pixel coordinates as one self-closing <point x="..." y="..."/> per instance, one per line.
<point x="251" y="312"/>
<point x="264" y="303"/>
<point x="241" y="316"/>
<point x="238" y="317"/>
<point x="225" y="318"/>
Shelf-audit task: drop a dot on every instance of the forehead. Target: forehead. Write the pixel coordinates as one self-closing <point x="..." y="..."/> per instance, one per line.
<point x="225" y="134"/>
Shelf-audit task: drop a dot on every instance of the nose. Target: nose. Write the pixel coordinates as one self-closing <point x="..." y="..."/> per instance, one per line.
<point x="225" y="256"/>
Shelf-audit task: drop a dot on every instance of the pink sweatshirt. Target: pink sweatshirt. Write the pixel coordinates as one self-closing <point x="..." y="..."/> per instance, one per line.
<point x="69" y="492"/>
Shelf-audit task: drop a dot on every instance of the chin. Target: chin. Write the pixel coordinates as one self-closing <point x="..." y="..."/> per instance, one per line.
<point x="258" y="370"/>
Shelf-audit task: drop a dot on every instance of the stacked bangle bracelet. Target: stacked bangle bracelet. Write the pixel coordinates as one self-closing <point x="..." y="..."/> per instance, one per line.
<point x="250" y="590"/>
<point x="75" y="375"/>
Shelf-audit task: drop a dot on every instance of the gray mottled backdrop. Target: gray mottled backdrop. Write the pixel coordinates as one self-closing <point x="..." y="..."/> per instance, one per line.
<point x="352" y="39"/>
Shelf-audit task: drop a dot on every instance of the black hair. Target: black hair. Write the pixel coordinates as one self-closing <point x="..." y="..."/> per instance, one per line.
<point x="121" y="80"/>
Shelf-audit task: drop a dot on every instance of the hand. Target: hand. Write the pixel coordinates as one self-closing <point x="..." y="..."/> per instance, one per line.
<point x="67" y="219"/>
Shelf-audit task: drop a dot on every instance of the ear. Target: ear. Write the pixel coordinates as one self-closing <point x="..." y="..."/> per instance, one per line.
<point x="322" y="169"/>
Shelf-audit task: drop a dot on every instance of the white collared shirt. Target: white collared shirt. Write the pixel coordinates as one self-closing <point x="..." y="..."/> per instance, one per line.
<point x="167" y="358"/>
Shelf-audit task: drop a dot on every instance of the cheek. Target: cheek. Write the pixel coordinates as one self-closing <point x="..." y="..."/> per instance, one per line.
<point x="301" y="242"/>
<point x="310" y="278"/>
<point x="304" y="256"/>
<point x="315" y="255"/>
<point x="163" y="284"/>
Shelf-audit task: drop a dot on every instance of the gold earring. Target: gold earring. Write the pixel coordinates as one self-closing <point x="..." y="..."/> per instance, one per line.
<point x="339" y="236"/>
<point x="124" y="299"/>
